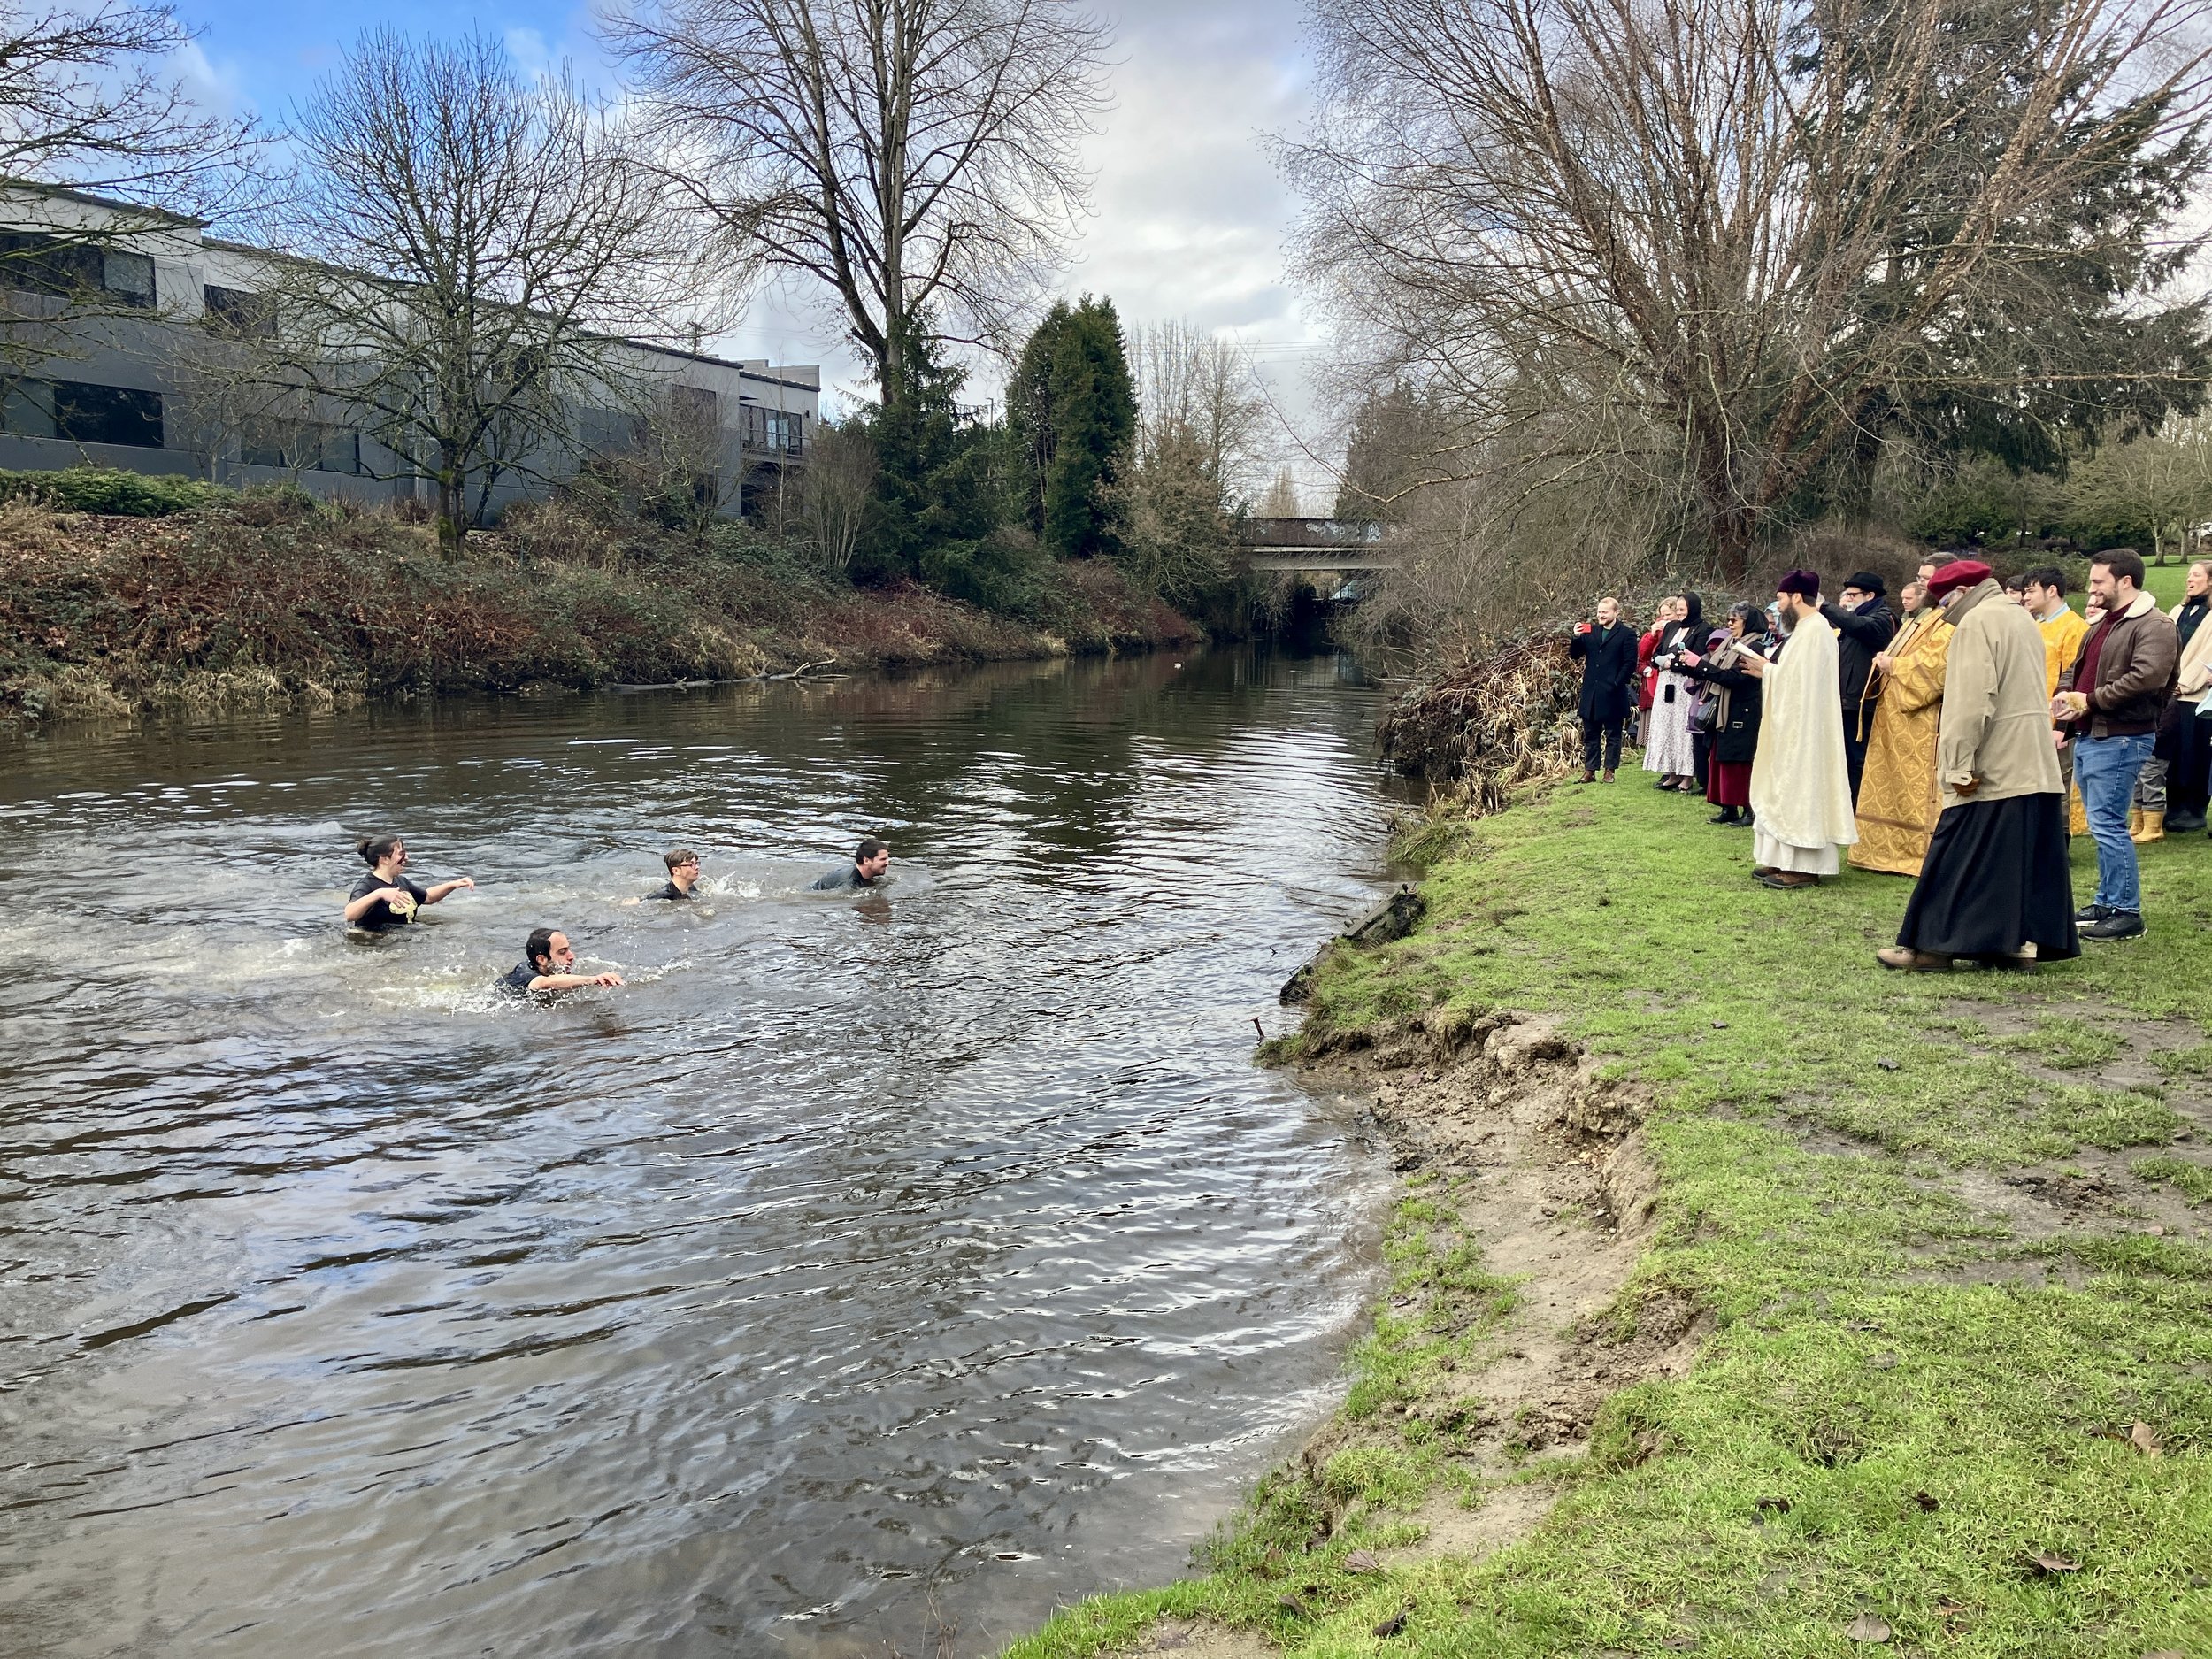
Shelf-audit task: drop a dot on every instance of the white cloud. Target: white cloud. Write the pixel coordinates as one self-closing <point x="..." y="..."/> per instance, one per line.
<point x="1191" y="214"/>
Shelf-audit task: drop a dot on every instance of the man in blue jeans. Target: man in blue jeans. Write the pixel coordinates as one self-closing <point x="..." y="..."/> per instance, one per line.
<point x="2111" y="698"/>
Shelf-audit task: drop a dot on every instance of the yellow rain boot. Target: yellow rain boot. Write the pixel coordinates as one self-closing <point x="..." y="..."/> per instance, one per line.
<point x="2135" y="822"/>
<point x="2152" y="827"/>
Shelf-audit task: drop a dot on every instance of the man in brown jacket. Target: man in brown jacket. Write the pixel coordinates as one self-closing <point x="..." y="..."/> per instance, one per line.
<point x="1994" y="884"/>
<point x="2112" y="698"/>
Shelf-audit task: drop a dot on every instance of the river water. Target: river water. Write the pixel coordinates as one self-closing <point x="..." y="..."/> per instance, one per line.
<point x="870" y="1275"/>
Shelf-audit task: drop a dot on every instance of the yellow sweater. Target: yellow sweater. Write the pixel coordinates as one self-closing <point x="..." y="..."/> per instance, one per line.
<point x="2062" y="635"/>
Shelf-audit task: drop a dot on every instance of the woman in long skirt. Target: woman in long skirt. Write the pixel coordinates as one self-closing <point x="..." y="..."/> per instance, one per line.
<point x="1667" y="749"/>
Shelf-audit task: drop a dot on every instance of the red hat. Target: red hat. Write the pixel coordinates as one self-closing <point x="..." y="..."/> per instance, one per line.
<point x="1957" y="574"/>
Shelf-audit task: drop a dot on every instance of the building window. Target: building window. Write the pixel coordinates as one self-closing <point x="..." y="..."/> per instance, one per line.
<point x="693" y="405"/>
<point x="107" y="414"/>
<point x="127" y="276"/>
<point x="33" y="263"/>
<point x="777" y="431"/>
<point x="239" y="314"/>
<point x="79" y="413"/>
<point x="303" y="446"/>
<point x="27" y="410"/>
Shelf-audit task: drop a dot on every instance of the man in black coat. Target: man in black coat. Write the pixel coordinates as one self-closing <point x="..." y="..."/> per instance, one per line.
<point x="1861" y="618"/>
<point x="1607" y="651"/>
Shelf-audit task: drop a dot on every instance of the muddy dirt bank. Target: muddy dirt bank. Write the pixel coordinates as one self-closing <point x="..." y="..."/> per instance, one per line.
<point x="1543" y="1163"/>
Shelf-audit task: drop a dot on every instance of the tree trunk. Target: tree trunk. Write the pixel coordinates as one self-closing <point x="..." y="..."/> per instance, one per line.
<point x="452" y="512"/>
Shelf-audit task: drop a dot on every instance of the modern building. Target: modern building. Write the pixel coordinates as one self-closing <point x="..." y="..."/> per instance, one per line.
<point x="111" y="312"/>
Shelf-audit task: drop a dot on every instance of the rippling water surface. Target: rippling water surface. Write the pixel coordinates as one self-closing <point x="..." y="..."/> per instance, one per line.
<point x="866" y="1267"/>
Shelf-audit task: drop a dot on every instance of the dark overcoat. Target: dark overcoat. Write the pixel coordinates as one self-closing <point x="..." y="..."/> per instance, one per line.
<point x="1607" y="656"/>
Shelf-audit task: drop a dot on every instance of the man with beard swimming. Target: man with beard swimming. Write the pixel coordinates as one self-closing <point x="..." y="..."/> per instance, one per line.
<point x="547" y="958"/>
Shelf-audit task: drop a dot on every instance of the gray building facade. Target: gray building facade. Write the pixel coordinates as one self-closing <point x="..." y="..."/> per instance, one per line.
<point x="111" y="375"/>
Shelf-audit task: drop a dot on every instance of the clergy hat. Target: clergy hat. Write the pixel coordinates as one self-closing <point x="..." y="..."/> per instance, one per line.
<point x="1867" y="582"/>
<point x="1805" y="584"/>
<point x="1958" y="574"/>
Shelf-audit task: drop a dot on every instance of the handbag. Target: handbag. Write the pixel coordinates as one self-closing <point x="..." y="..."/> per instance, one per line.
<point x="1705" y="713"/>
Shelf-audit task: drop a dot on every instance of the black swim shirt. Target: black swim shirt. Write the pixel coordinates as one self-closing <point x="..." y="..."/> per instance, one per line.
<point x="380" y="915"/>
<point x="515" y="980"/>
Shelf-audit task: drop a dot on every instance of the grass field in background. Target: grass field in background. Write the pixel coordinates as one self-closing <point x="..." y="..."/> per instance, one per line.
<point x="1937" y="1392"/>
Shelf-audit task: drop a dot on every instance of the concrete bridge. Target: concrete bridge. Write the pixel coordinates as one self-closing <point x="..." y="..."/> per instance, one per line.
<point x="1318" y="544"/>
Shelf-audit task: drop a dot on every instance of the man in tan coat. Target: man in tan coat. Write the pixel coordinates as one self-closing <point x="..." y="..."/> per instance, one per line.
<point x="1994" y="886"/>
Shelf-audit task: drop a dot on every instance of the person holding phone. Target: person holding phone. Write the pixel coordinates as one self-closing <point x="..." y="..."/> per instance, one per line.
<point x="1605" y="647"/>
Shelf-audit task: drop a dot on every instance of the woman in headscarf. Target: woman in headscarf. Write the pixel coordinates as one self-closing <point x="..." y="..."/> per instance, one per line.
<point x="1735" y="735"/>
<point x="1667" y="748"/>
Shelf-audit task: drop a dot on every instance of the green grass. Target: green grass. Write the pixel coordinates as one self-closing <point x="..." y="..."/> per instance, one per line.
<point x="2164" y="582"/>
<point x="1936" y="1396"/>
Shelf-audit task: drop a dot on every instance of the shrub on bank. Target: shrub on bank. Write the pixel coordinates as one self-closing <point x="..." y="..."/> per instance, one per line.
<point x="109" y="490"/>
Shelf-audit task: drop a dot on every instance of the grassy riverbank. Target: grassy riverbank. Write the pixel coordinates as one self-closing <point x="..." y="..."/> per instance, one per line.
<point x="1913" y="1352"/>
<point x="259" y="601"/>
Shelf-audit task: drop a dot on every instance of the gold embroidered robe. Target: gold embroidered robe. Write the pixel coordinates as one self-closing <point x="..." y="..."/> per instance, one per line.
<point x="1897" y="795"/>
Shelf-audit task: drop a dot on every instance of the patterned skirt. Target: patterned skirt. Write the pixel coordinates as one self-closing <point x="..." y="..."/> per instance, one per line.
<point x="1667" y="747"/>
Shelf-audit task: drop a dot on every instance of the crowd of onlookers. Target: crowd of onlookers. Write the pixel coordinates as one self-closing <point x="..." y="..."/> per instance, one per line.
<point x="2129" y="685"/>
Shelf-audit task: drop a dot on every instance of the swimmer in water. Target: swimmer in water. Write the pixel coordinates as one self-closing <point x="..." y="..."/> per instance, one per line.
<point x="386" y="897"/>
<point x="683" y="873"/>
<point x="546" y="958"/>
<point x="865" y="871"/>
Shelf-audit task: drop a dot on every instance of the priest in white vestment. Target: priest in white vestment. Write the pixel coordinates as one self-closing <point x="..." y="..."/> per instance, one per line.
<point x="1800" y="791"/>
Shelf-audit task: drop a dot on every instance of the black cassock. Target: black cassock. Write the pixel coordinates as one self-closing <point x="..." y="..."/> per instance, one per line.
<point x="1995" y="879"/>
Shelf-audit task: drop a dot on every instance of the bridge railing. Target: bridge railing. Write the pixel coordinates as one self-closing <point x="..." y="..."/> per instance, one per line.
<point x="1321" y="534"/>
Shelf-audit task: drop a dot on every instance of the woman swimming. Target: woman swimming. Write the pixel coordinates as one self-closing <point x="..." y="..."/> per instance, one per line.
<point x="386" y="897"/>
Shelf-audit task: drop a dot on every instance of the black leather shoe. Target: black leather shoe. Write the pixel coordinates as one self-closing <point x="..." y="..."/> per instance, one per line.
<point x="2184" y="823"/>
<point x="2089" y="913"/>
<point x="2116" y="925"/>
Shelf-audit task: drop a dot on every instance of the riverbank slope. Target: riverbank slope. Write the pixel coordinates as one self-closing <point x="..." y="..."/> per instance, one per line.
<point x="1871" y="1312"/>
<point x="267" y="601"/>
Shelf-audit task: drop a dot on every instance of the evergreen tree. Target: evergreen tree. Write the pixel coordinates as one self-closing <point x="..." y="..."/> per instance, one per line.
<point x="928" y="486"/>
<point x="2077" y="329"/>
<point x="1071" y="416"/>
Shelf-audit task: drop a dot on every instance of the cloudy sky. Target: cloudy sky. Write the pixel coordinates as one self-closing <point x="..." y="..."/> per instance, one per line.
<point x="1190" y="213"/>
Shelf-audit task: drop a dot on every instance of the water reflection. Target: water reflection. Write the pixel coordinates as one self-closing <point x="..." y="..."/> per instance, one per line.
<point x="933" y="1243"/>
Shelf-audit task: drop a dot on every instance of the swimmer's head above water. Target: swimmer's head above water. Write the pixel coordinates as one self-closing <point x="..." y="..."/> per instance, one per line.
<point x="379" y="850"/>
<point x="871" y="860"/>
<point x="547" y="958"/>
<point x="683" y="869"/>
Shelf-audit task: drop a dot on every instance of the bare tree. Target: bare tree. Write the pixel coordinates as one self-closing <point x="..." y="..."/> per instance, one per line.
<point x="476" y="245"/>
<point x="88" y="103"/>
<point x="919" y="158"/>
<point x="837" y="492"/>
<point x="1197" y="385"/>
<point x="1743" y="223"/>
<point x="87" y="100"/>
<point x="1282" y="500"/>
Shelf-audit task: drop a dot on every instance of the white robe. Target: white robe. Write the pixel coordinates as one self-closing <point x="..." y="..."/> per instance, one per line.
<point x="1800" y="791"/>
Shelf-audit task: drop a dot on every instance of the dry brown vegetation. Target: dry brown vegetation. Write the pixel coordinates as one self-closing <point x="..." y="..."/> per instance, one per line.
<point x="268" y="600"/>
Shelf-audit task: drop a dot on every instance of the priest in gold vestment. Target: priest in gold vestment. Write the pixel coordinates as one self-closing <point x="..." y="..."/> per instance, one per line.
<point x="1898" y="804"/>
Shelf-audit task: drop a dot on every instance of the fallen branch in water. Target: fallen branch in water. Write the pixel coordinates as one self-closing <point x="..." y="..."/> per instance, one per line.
<point x="802" y="669"/>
